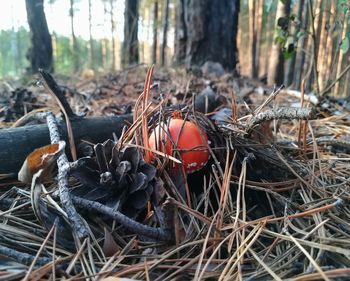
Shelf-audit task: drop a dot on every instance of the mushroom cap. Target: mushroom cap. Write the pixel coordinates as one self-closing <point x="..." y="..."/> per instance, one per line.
<point x="184" y="137"/>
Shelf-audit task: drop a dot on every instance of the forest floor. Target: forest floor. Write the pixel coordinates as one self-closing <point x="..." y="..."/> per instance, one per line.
<point x="270" y="204"/>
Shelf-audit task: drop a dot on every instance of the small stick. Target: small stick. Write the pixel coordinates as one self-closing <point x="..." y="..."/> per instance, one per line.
<point x="314" y="45"/>
<point x="287" y="113"/>
<point x="58" y="95"/>
<point x="346" y="69"/>
<point x="57" y="92"/>
<point x="63" y="168"/>
<point x="141" y="229"/>
<point x="268" y="100"/>
<point x="23" y="258"/>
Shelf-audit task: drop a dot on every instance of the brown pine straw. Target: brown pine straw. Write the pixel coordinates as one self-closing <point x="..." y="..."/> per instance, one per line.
<point x="242" y="227"/>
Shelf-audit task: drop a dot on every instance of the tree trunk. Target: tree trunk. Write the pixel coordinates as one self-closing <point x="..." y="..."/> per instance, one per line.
<point x="180" y="33"/>
<point x="252" y="40"/>
<point x="323" y="45"/>
<point x="40" y="53"/>
<point x="291" y="62"/>
<point x="318" y="23"/>
<point x="131" y="44"/>
<point x="258" y="30"/>
<point x="337" y="38"/>
<point x="165" y="32"/>
<point x="269" y="39"/>
<point x="275" y="73"/>
<point x="341" y="56"/>
<point x="300" y="57"/>
<point x="75" y="51"/>
<point x="347" y="84"/>
<point x="207" y="31"/>
<point x="330" y="42"/>
<point x="114" y="57"/>
<point x="91" y="42"/>
<point x="155" y="32"/>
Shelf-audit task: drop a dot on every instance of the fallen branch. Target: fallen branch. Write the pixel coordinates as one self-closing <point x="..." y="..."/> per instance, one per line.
<point x="76" y="221"/>
<point x="17" y="143"/>
<point x="134" y="226"/>
<point x="285" y="113"/>
<point x="23" y="258"/>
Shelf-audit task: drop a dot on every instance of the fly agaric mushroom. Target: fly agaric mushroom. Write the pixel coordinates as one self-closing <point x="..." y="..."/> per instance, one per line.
<point x="185" y="137"/>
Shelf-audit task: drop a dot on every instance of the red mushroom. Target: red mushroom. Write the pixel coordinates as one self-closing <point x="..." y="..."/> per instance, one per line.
<point x="185" y="137"/>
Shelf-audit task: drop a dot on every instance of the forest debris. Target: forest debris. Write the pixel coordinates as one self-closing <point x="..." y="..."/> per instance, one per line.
<point x="157" y="233"/>
<point x="206" y="101"/>
<point x="210" y="68"/>
<point x="41" y="158"/>
<point x="109" y="247"/>
<point x="285" y="113"/>
<point x="312" y="98"/>
<point x="17" y="143"/>
<point x="301" y="202"/>
<point x="20" y="102"/>
<point x="121" y="179"/>
<point x="58" y="95"/>
<point x="23" y="258"/>
<point x="78" y="225"/>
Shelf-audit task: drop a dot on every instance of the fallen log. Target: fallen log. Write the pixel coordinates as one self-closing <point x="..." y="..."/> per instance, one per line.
<point x="17" y="143"/>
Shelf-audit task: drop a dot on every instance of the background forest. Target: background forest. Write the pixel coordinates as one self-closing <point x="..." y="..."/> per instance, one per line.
<point x="278" y="41"/>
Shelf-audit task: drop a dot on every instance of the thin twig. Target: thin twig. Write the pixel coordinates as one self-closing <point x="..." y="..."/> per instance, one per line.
<point x="52" y="87"/>
<point x="63" y="167"/>
<point x="346" y="69"/>
<point x="141" y="229"/>
<point x="269" y="99"/>
<point x="57" y="93"/>
<point x="23" y="258"/>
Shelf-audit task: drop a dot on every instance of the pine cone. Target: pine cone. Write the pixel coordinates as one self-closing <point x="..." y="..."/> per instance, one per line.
<point x="119" y="179"/>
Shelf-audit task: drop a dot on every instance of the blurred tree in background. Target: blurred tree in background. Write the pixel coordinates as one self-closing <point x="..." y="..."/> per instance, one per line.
<point x="40" y="52"/>
<point x="290" y="42"/>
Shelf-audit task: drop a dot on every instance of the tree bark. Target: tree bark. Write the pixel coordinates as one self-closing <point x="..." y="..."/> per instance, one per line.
<point x="302" y="44"/>
<point x="165" y="32"/>
<point x="17" y="143"/>
<point x="341" y="56"/>
<point x="207" y="31"/>
<point x="252" y="39"/>
<point x="330" y="42"/>
<point x="155" y="32"/>
<point x="40" y="53"/>
<point x="347" y="84"/>
<point x="318" y="23"/>
<point x="180" y="33"/>
<point x="258" y="29"/>
<point x="131" y="44"/>
<point x="269" y="39"/>
<point x="291" y="62"/>
<point x="275" y="73"/>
